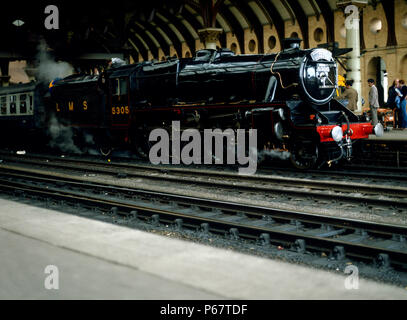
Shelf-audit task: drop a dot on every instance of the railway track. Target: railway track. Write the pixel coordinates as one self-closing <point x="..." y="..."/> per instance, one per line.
<point x="347" y="173"/>
<point x="383" y="152"/>
<point x="312" y="189"/>
<point x="339" y="239"/>
<point x="369" y="173"/>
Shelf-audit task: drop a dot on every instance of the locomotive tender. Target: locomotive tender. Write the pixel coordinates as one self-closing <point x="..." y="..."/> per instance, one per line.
<point x="288" y="97"/>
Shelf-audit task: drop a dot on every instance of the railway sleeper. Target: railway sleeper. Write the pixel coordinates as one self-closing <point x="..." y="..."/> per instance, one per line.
<point x="205" y="228"/>
<point x="339" y="253"/>
<point x="178" y="224"/>
<point x="323" y="233"/>
<point x="399" y="238"/>
<point x="155" y="220"/>
<point x="234" y="234"/>
<point x="300" y="245"/>
<point x="265" y="239"/>
<point x="260" y="223"/>
<point x="383" y="260"/>
<point x="233" y="218"/>
<point x="133" y="216"/>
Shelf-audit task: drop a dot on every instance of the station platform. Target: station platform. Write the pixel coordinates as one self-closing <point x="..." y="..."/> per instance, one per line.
<point x="392" y="135"/>
<point x="98" y="260"/>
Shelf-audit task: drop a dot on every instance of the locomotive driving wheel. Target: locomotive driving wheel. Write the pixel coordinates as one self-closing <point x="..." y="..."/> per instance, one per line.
<point x="304" y="154"/>
<point x="140" y="142"/>
<point x="105" y="151"/>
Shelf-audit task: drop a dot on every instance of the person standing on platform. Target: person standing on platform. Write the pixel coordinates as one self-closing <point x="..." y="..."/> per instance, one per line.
<point x="351" y="95"/>
<point x="392" y="95"/>
<point x="373" y="100"/>
<point x="403" y="106"/>
<point x="393" y="101"/>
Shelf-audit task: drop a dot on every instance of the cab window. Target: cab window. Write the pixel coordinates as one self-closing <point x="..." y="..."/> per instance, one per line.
<point x="119" y="87"/>
<point x="123" y="86"/>
<point x="115" y="85"/>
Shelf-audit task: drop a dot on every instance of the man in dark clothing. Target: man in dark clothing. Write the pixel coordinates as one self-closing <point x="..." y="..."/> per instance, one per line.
<point x="351" y="95"/>
<point x="391" y="103"/>
<point x="391" y="100"/>
<point x="403" y="105"/>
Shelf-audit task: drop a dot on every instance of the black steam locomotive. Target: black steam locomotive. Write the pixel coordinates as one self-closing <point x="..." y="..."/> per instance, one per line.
<point x="288" y="97"/>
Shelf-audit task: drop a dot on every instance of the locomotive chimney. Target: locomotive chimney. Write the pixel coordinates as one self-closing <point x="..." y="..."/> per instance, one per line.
<point x="291" y="43"/>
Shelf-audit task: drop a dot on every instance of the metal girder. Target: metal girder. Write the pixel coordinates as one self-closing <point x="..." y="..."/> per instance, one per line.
<point x="140" y="46"/>
<point x="289" y="10"/>
<point x="99" y="56"/>
<point x="163" y="43"/>
<point x="234" y="24"/>
<point x="190" y="40"/>
<point x="171" y="35"/>
<point x="264" y="10"/>
<point x="391" y="27"/>
<point x="278" y="21"/>
<point x="188" y="16"/>
<point x="209" y="10"/>
<point x="253" y="21"/>
<point x="314" y="8"/>
<point x="302" y="20"/>
<point x="328" y="15"/>
<point x="222" y="37"/>
<point x="150" y="44"/>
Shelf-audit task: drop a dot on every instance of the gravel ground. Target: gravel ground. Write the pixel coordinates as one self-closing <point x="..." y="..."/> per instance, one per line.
<point x="313" y="260"/>
<point x="362" y="212"/>
<point x="286" y="254"/>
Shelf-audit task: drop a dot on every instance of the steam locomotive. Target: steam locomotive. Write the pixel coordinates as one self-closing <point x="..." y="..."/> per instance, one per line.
<point x="288" y="97"/>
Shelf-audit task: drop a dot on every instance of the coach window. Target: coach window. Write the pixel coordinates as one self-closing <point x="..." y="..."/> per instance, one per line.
<point x="13" y="104"/>
<point x="31" y="102"/>
<point x="3" y="102"/>
<point x="23" y="103"/>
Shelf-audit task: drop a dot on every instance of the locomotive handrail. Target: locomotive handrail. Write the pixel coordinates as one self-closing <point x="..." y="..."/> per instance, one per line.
<point x="226" y="69"/>
<point x="279" y="75"/>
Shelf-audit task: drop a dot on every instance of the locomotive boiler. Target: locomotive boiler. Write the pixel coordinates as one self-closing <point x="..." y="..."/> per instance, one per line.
<point x="288" y="97"/>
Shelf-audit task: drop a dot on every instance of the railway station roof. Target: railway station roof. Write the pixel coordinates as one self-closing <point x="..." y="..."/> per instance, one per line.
<point x="142" y="28"/>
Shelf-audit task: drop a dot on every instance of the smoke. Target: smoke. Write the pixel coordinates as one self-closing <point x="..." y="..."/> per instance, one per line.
<point x="47" y="68"/>
<point x="61" y="137"/>
<point x="273" y="154"/>
<point x="88" y="138"/>
<point x="90" y="144"/>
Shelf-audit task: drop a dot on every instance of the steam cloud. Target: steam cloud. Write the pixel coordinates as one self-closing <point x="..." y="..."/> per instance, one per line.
<point x="280" y="155"/>
<point x="47" y="68"/>
<point x="61" y="137"/>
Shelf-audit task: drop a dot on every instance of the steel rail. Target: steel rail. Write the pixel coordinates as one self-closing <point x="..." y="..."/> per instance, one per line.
<point x="211" y="172"/>
<point x="276" y="184"/>
<point x="218" y="224"/>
